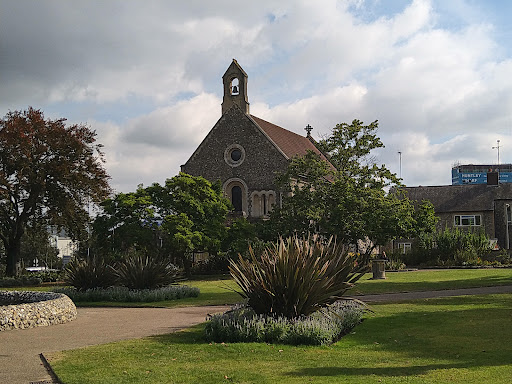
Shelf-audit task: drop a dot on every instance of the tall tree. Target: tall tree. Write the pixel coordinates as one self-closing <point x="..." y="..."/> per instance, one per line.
<point x="193" y="212"/>
<point x="186" y="214"/>
<point x="425" y="217"/>
<point x="346" y="198"/>
<point x="127" y="221"/>
<point x="47" y="167"/>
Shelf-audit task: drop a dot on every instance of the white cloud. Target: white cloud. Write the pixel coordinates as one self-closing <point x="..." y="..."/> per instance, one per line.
<point x="441" y="93"/>
<point x="183" y="124"/>
<point x="152" y="147"/>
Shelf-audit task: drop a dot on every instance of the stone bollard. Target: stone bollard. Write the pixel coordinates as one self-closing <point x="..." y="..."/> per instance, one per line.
<point x="379" y="269"/>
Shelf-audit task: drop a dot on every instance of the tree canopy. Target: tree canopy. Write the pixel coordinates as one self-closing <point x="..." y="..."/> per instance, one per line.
<point x="346" y="198"/>
<point x="185" y="214"/>
<point x="49" y="170"/>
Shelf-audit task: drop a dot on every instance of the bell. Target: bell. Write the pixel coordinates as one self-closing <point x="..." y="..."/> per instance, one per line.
<point x="235" y="90"/>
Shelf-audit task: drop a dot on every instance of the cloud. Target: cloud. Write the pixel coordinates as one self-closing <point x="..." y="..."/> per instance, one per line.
<point x="148" y="78"/>
<point x="151" y="148"/>
<point x="183" y="124"/>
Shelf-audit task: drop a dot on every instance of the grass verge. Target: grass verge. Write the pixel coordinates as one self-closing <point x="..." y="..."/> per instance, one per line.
<point x="434" y="280"/>
<point x="449" y="340"/>
<point x="218" y="290"/>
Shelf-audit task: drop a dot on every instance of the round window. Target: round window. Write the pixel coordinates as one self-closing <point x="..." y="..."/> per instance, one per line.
<point x="236" y="154"/>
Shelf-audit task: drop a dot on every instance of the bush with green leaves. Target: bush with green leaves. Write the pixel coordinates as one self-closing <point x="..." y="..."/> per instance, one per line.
<point x="20" y="281"/>
<point x="242" y="324"/>
<point x="123" y="294"/>
<point x="47" y="276"/>
<point x="137" y="271"/>
<point x="395" y="260"/>
<point x="297" y="276"/>
<point x="214" y="265"/>
<point x="450" y="247"/>
<point x="497" y="258"/>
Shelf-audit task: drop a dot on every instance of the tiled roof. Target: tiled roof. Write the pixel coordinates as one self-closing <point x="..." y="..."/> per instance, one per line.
<point x="461" y="198"/>
<point x="290" y="143"/>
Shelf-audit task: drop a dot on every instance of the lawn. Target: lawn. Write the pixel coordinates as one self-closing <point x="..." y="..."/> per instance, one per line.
<point x="449" y="340"/>
<point x="434" y="280"/>
<point x="218" y="290"/>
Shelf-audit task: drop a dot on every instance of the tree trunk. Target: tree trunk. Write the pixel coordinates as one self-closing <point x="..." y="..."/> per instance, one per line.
<point x="12" y="251"/>
<point x="187" y="265"/>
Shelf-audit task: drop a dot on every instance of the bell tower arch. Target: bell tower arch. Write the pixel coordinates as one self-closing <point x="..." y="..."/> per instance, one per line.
<point x="235" y="88"/>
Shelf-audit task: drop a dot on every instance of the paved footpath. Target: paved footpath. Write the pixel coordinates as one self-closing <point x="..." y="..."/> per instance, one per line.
<point x="405" y="296"/>
<point x="19" y="349"/>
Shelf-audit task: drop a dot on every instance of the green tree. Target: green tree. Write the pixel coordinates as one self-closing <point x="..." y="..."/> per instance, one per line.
<point x="425" y="218"/>
<point x="47" y="167"/>
<point x="127" y="221"/>
<point x="186" y="214"/>
<point x="346" y="198"/>
<point x="182" y="239"/>
<point x="193" y="212"/>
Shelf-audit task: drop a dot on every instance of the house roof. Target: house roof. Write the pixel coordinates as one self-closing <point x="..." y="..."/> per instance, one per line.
<point x="461" y="198"/>
<point x="290" y="143"/>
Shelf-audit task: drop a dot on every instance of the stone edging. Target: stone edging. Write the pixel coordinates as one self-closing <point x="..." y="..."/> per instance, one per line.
<point x="38" y="309"/>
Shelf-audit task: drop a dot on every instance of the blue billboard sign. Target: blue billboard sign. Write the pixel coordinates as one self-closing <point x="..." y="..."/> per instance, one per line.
<point x="472" y="177"/>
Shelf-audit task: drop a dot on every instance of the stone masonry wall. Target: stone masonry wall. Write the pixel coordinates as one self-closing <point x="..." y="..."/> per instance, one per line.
<point x="37" y="309"/>
<point x="261" y="162"/>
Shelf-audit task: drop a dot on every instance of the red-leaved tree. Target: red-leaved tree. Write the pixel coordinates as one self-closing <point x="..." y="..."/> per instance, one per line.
<point x="48" y="171"/>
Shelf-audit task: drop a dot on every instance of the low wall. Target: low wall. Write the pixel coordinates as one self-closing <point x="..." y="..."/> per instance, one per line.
<point x="34" y="309"/>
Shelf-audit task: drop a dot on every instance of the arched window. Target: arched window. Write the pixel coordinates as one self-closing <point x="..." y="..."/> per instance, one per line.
<point x="235" y="87"/>
<point x="236" y="198"/>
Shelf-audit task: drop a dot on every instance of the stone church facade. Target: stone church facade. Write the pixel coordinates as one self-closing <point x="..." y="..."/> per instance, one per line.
<point x="245" y="152"/>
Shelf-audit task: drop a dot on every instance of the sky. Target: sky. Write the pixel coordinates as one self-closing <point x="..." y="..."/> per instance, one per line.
<point x="147" y="75"/>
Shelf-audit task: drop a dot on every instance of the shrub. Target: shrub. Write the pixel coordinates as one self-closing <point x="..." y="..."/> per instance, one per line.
<point x="297" y="276"/>
<point x="396" y="260"/>
<point x="89" y="273"/>
<point x="452" y="246"/>
<point x="123" y="294"/>
<point x="242" y="324"/>
<point x="142" y="272"/>
<point x="20" y="281"/>
<point x="47" y="276"/>
<point x="501" y="257"/>
<point x="215" y="264"/>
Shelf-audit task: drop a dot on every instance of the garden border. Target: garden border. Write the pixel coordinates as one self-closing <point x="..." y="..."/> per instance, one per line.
<point x="37" y="309"/>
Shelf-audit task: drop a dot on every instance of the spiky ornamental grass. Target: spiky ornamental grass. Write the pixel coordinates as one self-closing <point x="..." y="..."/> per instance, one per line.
<point x="135" y="271"/>
<point x="242" y="324"/>
<point x="89" y="273"/>
<point x="297" y="276"/>
<point x="142" y="272"/>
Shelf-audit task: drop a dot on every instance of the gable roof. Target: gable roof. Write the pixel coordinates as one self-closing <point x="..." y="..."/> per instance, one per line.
<point x="290" y="143"/>
<point x="234" y="66"/>
<point x="461" y="198"/>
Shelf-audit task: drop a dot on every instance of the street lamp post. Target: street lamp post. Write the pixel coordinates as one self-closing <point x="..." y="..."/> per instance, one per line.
<point x="498" y="148"/>
<point x="400" y="162"/>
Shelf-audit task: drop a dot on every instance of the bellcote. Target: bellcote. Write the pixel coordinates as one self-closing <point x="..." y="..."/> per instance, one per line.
<point x="235" y="88"/>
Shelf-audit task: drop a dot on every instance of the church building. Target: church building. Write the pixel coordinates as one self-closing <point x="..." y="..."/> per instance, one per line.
<point x="245" y="152"/>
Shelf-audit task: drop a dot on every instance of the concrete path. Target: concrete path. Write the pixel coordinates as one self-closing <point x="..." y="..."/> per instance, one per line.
<point x="19" y="349"/>
<point x="405" y="296"/>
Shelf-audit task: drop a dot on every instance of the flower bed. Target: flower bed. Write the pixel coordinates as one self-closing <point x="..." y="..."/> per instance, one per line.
<point x="26" y="309"/>
<point x="242" y="324"/>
